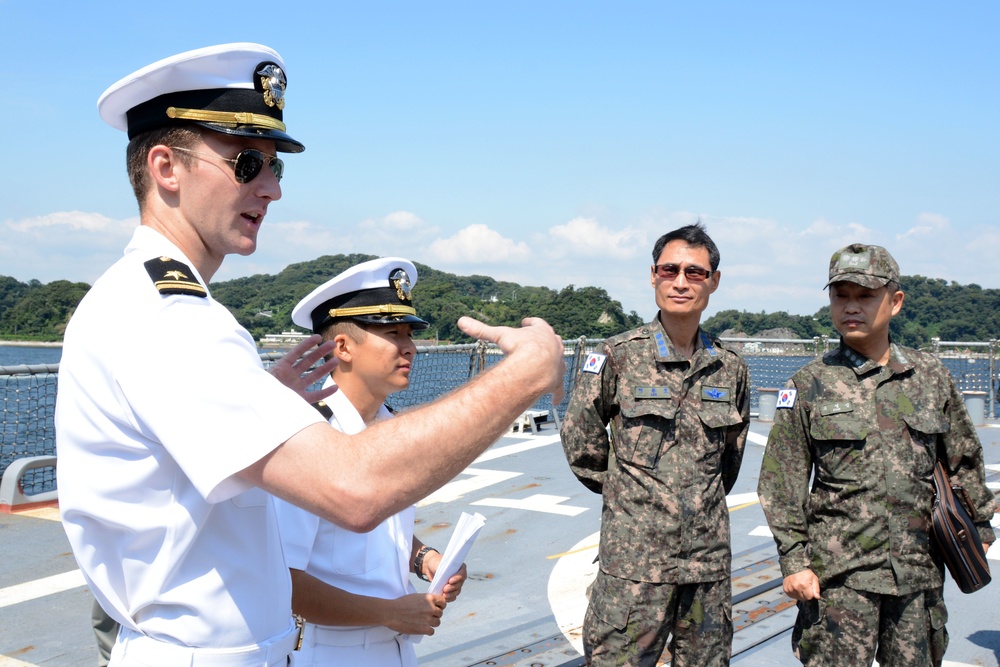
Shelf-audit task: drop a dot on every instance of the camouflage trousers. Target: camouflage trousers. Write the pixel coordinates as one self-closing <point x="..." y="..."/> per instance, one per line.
<point x="848" y="627"/>
<point x="629" y="622"/>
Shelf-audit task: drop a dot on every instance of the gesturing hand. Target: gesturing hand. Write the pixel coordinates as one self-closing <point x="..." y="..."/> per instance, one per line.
<point x="294" y="370"/>
<point x="535" y="341"/>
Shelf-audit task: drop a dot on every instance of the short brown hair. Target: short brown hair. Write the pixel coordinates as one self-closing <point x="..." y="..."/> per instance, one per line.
<point x="186" y="136"/>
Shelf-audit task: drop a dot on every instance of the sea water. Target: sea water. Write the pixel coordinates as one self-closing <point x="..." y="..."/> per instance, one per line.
<point x="17" y="355"/>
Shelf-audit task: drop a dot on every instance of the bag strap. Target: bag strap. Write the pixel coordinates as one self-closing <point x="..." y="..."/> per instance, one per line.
<point x="943" y="487"/>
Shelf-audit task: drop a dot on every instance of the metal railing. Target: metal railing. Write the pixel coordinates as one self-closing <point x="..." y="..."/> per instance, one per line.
<point x="28" y="392"/>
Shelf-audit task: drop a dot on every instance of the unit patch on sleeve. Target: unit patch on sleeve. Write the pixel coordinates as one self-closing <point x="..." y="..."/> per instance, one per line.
<point x="173" y="277"/>
<point x="594" y="363"/>
<point x="786" y="398"/>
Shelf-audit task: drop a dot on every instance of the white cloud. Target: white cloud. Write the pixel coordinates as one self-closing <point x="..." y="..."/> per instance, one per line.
<point x="72" y="221"/>
<point x="65" y="245"/>
<point x="927" y="224"/>
<point x="585" y="237"/>
<point x="477" y="244"/>
<point x="842" y="234"/>
<point x="397" y="233"/>
<point x="298" y="233"/>
<point x="936" y="249"/>
<point x="767" y="264"/>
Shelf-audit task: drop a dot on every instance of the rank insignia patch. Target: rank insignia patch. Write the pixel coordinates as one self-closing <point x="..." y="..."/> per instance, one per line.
<point x="594" y="363"/>
<point x="173" y="277"/>
<point x="324" y="409"/>
<point x="786" y="398"/>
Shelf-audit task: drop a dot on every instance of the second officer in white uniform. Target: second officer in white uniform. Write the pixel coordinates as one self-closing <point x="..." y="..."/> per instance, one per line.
<point x="353" y="589"/>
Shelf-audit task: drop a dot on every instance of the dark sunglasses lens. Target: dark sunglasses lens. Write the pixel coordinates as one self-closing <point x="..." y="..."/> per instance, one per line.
<point x="278" y="167"/>
<point x="248" y="165"/>
<point x="692" y="273"/>
<point x="667" y="271"/>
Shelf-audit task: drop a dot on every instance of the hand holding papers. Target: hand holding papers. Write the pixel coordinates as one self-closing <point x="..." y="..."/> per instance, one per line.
<point x="461" y="541"/>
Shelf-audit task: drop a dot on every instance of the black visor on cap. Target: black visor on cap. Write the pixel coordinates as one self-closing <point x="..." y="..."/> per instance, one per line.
<point x="382" y="297"/>
<point x="156" y="113"/>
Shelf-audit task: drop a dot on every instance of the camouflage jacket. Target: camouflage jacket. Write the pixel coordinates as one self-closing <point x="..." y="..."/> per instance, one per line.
<point x="869" y="436"/>
<point x="677" y="433"/>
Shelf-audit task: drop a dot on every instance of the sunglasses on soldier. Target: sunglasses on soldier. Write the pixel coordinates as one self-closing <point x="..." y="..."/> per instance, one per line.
<point x="694" y="274"/>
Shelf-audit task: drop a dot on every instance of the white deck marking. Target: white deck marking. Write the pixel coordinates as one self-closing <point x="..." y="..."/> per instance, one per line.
<point x="528" y="444"/>
<point x="13" y="662"/>
<point x="567" y="590"/>
<point x="734" y="499"/>
<point x="539" y="502"/>
<point x="455" y="490"/>
<point x="761" y="531"/>
<point x="38" y="588"/>
<point x="756" y="438"/>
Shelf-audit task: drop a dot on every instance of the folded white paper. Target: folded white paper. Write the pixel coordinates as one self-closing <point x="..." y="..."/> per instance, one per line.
<point x="466" y="531"/>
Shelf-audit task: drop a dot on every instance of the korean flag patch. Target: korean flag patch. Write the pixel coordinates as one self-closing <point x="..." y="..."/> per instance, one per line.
<point x="786" y="398"/>
<point x="594" y="363"/>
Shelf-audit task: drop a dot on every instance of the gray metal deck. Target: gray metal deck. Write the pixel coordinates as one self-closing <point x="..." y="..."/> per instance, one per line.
<point x="529" y="570"/>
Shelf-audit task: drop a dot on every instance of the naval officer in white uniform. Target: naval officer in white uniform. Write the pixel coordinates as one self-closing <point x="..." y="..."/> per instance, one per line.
<point x="354" y="589"/>
<point x="170" y="433"/>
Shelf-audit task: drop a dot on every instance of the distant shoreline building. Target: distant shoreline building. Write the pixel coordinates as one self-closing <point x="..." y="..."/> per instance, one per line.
<point x="283" y="339"/>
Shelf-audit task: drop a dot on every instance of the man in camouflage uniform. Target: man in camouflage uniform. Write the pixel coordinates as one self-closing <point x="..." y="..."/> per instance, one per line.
<point x="678" y="406"/>
<point x="867" y="421"/>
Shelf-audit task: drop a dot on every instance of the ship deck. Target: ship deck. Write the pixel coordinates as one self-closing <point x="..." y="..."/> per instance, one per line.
<point x="528" y="571"/>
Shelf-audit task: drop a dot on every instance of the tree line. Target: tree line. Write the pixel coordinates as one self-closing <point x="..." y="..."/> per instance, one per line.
<point x="934" y="308"/>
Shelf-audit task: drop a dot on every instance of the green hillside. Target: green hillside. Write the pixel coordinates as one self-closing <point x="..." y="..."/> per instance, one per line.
<point x="263" y="304"/>
<point x="933" y="308"/>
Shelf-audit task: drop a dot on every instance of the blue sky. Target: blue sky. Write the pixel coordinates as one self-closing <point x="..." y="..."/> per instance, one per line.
<point x="547" y="142"/>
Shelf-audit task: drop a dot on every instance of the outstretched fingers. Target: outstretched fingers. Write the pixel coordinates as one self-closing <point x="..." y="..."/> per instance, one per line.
<point x="295" y="370"/>
<point x="535" y="340"/>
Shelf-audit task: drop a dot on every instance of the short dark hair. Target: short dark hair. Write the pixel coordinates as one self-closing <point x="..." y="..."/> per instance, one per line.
<point x="356" y="331"/>
<point x="184" y="136"/>
<point x="695" y="236"/>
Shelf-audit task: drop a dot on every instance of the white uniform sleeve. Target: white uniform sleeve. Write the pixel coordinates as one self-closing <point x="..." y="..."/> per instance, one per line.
<point x="298" y="529"/>
<point x="225" y="411"/>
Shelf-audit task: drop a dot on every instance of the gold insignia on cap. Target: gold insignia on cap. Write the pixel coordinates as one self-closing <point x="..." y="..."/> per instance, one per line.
<point x="227" y="118"/>
<point x="401" y="281"/>
<point x="385" y="309"/>
<point x="273" y="81"/>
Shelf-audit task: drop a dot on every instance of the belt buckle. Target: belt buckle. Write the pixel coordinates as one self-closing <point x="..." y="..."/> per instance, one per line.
<point x="300" y="625"/>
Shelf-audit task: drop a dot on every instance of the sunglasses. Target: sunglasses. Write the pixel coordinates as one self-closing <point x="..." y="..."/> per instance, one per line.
<point x="694" y="274"/>
<point x="247" y="164"/>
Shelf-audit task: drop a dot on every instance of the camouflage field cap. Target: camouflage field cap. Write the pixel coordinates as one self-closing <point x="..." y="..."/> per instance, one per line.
<point x="870" y="266"/>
